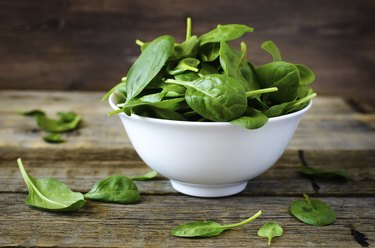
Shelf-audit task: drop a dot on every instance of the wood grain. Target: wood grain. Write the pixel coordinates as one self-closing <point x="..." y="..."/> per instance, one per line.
<point x="335" y="134"/>
<point x="89" y="45"/>
<point x="331" y="123"/>
<point x="148" y="224"/>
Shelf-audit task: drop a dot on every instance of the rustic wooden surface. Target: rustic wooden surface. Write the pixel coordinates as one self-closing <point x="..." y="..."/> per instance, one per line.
<point x="335" y="134"/>
<point x="89" y="44"/>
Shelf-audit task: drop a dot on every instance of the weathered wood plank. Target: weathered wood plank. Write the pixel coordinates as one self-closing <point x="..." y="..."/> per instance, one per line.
<point x="148" y="223"/>
<point x="330" y="124"/>
<point x="89" y="45"/>
<point x="82" y="169"/>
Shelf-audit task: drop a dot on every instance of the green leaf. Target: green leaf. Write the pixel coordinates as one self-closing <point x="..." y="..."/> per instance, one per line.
<point x="50" y="194"/>
<point x="209" y="52"/>
<point x="67" y="121"/>
<point x="53" y="138"/>
<point x="224" y="33"/>
<point x="313" y="212"/>
<point x="324" y="174"/>
<point x="234" y="64"/>
<point x="106" y="96"/>
<point x="32" y="113"/>
<point x="148" y="65"/>
<point x="147" y="176"/>
<point x="206" y="229"/>
<point x="187" y="76"/>
<point x="188" y="64"/>
<point x="307" y="76"/>
<point x="272" y="49"/>
<point x="215" y="97"/>
<point x="270" y="230"/>
<point x="188" y="48"/>
<point x="252" y="119"/>
<point x="115" y="189"/>
<point x="284" y="76"/>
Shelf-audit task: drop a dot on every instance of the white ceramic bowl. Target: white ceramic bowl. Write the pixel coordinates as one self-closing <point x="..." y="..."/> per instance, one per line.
<point x="209" y="159"/>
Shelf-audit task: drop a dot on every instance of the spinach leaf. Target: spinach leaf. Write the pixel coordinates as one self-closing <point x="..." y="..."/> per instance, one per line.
<point x="207" y="69"/>
<point x="188" y="64"/>
<point x="188" y="48"/>
<point x="312" y="211"/>
<point x="224" y="33"/>
<point x="206" y="229"/>
<point x="215" y="97"/>
<point x="235" y="65"/>
<point x="147" y="176"/>
<point x="209" y="52"/>
<point x="307" y="76"/>
<point x="116" y="189"/>
<point x="67" y="121"/>
<point x="270" y="230"/>
<point x="53" y="138"/>
<point x="148" y="65"/>
<point x="50" y="194"/>
<point x="106" y="96"/>
<point x="272" y="49"/>
<point x="32" y="113"/>
<point x="284" y="76"/>
<point x="251" y="119"/>
<point x="324" y="174"/>
<point x="187" y="76"/>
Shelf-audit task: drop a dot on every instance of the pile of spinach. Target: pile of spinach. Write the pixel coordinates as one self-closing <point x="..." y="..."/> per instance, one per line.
<point x="205" y="78"/>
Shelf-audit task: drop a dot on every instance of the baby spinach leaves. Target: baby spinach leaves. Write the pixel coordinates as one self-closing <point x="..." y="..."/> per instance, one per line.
<point x="67" y="121"/>
<point x="312" y="211"/>
<point x="50" y="194"/>
<point x="148" y="64"/>
<point x="270" y="230"/>
<point x="206" y="229"/>
<point x="117" y="189"/>
<point x="218" y="78"/>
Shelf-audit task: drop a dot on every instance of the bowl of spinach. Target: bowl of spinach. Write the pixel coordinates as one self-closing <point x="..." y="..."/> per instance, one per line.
<point x="201" y="114"/>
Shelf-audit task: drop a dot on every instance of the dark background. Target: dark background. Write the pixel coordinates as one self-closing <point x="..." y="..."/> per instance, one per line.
<point x="89" y="44"/>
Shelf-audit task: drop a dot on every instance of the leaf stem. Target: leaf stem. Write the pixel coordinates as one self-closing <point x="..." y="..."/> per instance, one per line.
<point x="302" y="100"/>
<point x="188" y="28"/>
<point x="139" y="42"/>
<point x="261" y="91"/>
<point x="244" y="222"/>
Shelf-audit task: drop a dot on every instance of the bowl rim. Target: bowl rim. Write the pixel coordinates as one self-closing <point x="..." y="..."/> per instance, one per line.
<point x="195" y="123"/>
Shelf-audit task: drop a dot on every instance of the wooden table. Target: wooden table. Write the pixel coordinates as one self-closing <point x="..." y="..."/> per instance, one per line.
<point x="334" y="134"/>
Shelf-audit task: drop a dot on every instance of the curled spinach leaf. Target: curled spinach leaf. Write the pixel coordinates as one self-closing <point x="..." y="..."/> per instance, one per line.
<point x="50" y="194"/>
<point x="206" y="229"/>
<point x="67" y="121"/>
<point x="272" y="49"/>
<point x="116" y="189"/>
<point x="188" y="64"/>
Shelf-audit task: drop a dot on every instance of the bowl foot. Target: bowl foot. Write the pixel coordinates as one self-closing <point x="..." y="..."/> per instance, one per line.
<point x="202" y="190"/>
